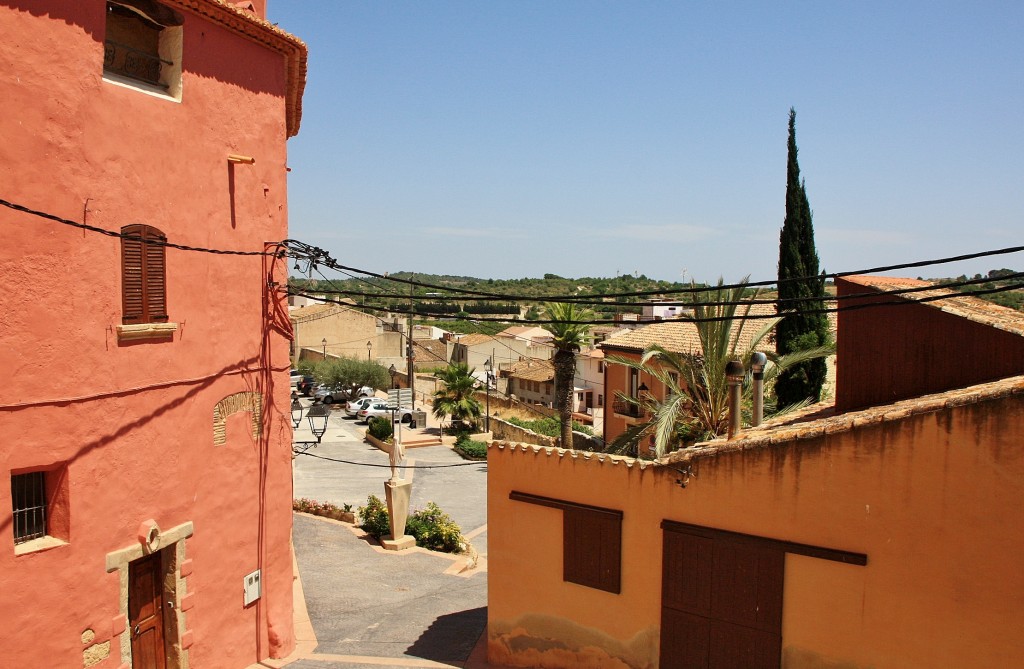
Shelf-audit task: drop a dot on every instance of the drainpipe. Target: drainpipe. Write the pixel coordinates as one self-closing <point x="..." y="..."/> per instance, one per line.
<point x="757" y="363"/>
<point x="734" y="377"/>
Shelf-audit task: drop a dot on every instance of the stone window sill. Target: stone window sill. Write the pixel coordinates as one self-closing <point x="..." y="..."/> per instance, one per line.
<point x="146" y="331"/>
<point x="38" y="545"/>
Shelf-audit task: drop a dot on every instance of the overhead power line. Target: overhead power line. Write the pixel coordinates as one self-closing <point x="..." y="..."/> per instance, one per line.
<point x="121" y="235"/>
<point x="771" y="301"/>
<point x="998" y="289"/>
<point x="322" y="257"/>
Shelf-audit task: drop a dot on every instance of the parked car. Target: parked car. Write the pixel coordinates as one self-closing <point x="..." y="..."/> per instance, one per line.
<point x="353" y="407"/>
<point x="305" y="385"/>
<point x="380" y="409"/>
<point x="328" y="396"/>
<point x="296" y="377"/>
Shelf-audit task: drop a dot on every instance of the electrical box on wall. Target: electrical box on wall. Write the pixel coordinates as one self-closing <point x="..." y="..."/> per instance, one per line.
<point x="251" y="587"/>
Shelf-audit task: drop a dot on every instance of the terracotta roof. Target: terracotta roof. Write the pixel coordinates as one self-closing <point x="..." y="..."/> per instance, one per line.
<point x="533" y="369"/>
<point x="681" y="336"/>
<point x="972" y="308"/>
<point x="525" y="332"/>
<point x="262" y="32"/>
<point x="777" y="435"/>
<point x="474" y="339"/>
<point x="819" y="423"/>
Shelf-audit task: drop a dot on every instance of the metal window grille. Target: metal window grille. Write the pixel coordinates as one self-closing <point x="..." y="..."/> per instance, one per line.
<point x="28" y="494"/>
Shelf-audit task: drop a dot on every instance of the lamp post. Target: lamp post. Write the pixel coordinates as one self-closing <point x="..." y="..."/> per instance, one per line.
<point x="317" y="416"/>
<point x="392" y="371"/>
<point x="757" y="363"/>
<point x="324" y="342"/>
<point x="734" y="377"/>
<point x="369" y="345"/>
<point x="489" y="367"/>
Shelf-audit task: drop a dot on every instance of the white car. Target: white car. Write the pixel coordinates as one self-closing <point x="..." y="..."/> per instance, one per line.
<point x="353" y="407"/>
<point x="380" y="409"/>
<point x="327" y="396"/>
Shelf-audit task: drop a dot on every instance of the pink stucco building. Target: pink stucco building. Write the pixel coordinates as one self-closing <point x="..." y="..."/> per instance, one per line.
<point x="145" y="511"/>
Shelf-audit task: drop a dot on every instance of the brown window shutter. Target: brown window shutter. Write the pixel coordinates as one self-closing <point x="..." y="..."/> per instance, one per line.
<point x="156" y="280"/>
<point x="143" y="275"/>
<point x="132" y="307"/>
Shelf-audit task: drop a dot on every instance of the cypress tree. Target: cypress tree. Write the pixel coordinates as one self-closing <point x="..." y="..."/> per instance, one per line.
<point x="798" y="279"/>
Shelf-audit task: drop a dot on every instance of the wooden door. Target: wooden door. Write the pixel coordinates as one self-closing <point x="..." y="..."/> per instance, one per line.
<point x="721" y="602"/>
<point x="145" y="613"/>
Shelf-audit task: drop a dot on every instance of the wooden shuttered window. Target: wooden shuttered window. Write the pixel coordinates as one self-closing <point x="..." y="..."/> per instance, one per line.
<point x="143" y="275"/>
<point x="591" y="542"/>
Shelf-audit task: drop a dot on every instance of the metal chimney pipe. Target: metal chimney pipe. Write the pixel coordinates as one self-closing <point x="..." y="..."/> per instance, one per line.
<point x="734" y="377"/>
<point x="757" y="362"/>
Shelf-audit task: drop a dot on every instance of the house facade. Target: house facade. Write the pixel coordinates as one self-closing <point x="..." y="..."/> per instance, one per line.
<point x="532" y="381"/>
<point x="145" y="510"/>
<point x="880" y="536"/>
<point x="341" y="332"/>
<point x="679" y="337"/>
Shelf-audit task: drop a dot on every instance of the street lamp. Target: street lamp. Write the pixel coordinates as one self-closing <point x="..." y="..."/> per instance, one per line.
<point x="734" y="378"/>
<point x="317" y="416"/>
<point x="392" y="371"/>
<point x="757" y="362"/>
<point x="369" y="345"/>
<point x="324" y="342"/>
<point x="490" y="368"/>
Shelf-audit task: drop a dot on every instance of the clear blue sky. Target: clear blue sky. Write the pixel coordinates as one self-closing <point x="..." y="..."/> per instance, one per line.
<point x="511" y="139"/>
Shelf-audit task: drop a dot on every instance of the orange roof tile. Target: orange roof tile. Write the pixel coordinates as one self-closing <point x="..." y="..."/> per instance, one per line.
<point x="533" y="369"/>
<point x="474" y="339"/>
<point x="680" y="336"/>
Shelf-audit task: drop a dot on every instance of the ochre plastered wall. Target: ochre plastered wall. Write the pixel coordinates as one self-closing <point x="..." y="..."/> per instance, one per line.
<point x="131" y="421"/>
<point x="933" y="498"/>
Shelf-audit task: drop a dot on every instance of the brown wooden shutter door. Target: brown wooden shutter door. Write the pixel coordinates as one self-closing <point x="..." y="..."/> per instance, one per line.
<point x="155" y="277"/>
<point x="132" y="307"/>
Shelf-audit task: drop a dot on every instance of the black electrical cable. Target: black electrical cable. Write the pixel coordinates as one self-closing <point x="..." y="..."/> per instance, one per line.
<point x="687" y="319"/>
<point x="373" y="464"/>
<point x="770" y="301"/>
<point x="121" y="235"/>
<point x="332" y="264"/>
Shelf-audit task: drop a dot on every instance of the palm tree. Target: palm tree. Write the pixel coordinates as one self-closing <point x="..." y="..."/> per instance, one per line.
<point x="570" y="335"/>
<point x="458" y="396"/>
<point x="696" y="403"/>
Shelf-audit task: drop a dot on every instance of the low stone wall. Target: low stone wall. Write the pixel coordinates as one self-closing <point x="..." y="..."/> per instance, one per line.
<point x="503" y="431"/>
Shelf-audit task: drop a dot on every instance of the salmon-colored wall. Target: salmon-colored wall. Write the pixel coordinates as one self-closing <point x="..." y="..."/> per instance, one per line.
<point x="616" y="380"/>
<point x="924" y="350"/>
<point x="133" y="422"/>
<point x="933" y="499"/>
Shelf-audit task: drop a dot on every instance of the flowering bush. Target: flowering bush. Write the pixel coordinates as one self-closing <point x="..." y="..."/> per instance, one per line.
<point x="374" y="517"/>
<point x="433" y="528"/>
<point x="327" y="509"/>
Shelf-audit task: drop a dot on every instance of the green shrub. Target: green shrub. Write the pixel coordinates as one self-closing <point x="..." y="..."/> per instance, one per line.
<point x="434" y="529"/>
<point x="374" y="517"/>
<point x="471" y="448"/>
<point x="380" y="428"/>
<point x="548" y="426"/>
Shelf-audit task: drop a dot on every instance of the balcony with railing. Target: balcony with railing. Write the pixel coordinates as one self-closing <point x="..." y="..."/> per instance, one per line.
<point x="133" y="63"/>
<point x="623" y="408"/>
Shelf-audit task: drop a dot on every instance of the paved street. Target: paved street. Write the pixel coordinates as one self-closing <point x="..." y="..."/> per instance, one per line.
<point x="369" y="607"/>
